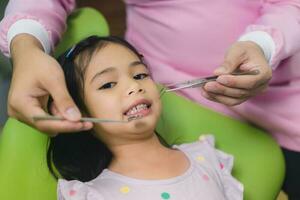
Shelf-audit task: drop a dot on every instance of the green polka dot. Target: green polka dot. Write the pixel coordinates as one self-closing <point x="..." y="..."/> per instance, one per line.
<point x="165" y="195"/>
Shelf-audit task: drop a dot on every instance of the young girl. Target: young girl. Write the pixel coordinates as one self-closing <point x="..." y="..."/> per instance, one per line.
<point x="108" y="79"/>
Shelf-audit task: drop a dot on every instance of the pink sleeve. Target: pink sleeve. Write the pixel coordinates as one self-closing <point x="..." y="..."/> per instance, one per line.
<point x="51" y="14"/>
<point x="281" y="19"/>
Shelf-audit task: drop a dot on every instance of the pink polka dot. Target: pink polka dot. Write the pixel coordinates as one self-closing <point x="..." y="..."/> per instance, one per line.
<point x="221" y="165"/>
<point x="72" y="192"/>
<point x="205" y="177"/>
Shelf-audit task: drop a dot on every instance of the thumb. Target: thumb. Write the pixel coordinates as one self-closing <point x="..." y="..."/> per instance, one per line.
<point x="63" y="101"/>
<point x="232" y="60"/>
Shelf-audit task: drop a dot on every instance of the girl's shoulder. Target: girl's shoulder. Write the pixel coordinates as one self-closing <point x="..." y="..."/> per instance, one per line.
<point x="216" y="163"/>
<point x="77" y="190"/>
<point x="204" y="151"/>
<point x="203" y="142"/>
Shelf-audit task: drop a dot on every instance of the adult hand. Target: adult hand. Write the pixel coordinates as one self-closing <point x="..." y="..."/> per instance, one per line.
<point x="232" y="89"/>
<point x="37" y="75"/>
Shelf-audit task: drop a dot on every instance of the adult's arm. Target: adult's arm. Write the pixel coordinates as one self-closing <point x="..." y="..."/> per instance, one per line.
<point x="279" y="19"/>
<point x="43" y="19"/>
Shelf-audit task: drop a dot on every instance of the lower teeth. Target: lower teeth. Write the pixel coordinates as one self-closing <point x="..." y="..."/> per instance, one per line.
<point x="134" y="117"/>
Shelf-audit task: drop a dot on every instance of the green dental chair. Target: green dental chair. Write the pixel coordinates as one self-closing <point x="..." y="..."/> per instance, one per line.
<point x="259" y="163"/>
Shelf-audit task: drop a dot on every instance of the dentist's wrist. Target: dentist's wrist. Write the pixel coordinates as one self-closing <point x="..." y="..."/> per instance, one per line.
<point x="263" y="40"/>
<point x="30" y="27"/>
<point x="22" y="44"/>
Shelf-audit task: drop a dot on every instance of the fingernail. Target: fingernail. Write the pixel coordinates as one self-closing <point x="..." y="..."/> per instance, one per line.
<point x="73" y="113"/>
<point x="222" y="80"/>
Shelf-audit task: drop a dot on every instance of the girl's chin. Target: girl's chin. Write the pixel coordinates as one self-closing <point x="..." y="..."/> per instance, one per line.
<point x="144" y="125"/>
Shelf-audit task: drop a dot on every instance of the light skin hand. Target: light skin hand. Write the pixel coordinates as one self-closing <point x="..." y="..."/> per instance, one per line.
<point x="37" y="75"/>
<point x="233" y="90"/>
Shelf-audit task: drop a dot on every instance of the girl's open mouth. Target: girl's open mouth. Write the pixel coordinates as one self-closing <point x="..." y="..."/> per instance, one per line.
<point x="139" y="109"/>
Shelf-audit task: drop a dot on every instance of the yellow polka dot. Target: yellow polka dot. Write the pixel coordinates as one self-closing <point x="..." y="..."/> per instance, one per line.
<point x="200" y="158"/>
<point x="124" y="189"/>
<point x="202" y="138"/>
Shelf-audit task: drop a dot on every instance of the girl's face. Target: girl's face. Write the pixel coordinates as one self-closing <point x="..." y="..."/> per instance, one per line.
<point x="117" y="85"/>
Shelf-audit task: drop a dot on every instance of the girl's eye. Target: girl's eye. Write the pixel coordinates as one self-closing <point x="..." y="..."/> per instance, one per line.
<point x="141" y="76"/>
<point x="108" y="85"/>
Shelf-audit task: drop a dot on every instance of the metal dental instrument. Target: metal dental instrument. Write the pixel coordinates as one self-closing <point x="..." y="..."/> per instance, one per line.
<point x="84" y="119"/>
<point x="200" y="82"/>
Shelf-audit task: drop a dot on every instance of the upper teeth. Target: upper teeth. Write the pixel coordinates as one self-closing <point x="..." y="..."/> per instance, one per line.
<point x="136" y="109"/>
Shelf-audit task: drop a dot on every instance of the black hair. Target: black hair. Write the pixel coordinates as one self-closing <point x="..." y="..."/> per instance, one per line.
<point x="80" y="155"/>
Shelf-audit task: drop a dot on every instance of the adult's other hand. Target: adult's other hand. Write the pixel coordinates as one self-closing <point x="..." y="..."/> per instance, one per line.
<point x="232" y="89"/>
<point x="37" y="75"/>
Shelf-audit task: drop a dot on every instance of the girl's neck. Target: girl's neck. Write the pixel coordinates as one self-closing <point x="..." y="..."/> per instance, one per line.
<point x="141" y="160"/>
<point x="140" y="149"/>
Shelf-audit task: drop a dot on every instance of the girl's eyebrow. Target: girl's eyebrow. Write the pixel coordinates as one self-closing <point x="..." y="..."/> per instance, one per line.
<point x="135" y="63"/>
<point x="110" y="69"/>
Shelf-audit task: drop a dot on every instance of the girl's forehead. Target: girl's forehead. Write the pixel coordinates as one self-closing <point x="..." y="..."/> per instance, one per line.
<point x="113" y="54"/>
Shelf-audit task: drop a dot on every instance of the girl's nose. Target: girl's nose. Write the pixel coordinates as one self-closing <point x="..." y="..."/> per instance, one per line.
<point x="135" y="88"/>
<point x="140" y="90"/>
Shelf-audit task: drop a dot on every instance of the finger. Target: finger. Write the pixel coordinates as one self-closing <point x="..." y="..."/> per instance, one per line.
<point x="25" y="113"/>
<point x="243" y="81"/>
<point x="216" y="88"/>
<point x="262" y="88"/>
<point x="26" y="116"/>
<point x="63" y="100"/>
<point x="64" y="126"/>
<point x="33" y="108"/>
<point x="54" y="110"/>
<point x="233" y="59"/>
<point x="229" y="101"/>
<point x="249" y="67"/>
